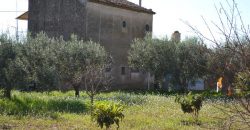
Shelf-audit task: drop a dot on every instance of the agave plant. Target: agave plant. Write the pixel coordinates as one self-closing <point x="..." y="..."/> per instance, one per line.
<point x="106" y="114"/>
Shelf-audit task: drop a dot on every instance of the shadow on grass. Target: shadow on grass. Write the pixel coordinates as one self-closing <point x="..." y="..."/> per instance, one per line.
<point x="191" y="123"/>
<point x="35" y="106"/>
<point x="6" y="127"/>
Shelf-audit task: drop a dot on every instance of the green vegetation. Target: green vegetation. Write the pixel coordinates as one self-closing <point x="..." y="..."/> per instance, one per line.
<point x="56" y="110"/>
<point x="38" y="104"/>
<point x="190" y="103"/>
<point x="242" y="84"/>
<point x="47" y="64"/>
<point x="156" y="56"/>
<point x="11" y="67"/>
<point x="108" y="114"/>
<point x="185" y="61"/>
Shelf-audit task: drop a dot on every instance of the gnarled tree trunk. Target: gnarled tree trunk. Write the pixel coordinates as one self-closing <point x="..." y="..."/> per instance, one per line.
<point x="7" y="91"/>
<point x="77" y="89"/>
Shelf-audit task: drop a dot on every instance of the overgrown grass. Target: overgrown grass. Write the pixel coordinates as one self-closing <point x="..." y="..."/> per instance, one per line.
<point x="37" y="104"/>
<point x="144" y="111"/>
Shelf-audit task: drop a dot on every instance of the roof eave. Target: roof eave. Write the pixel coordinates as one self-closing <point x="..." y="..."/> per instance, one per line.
<point x="149" y="11"/>
<point x="23" y="16"/>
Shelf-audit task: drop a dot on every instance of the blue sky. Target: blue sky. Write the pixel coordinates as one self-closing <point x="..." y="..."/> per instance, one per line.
<point x="169" y="14"/>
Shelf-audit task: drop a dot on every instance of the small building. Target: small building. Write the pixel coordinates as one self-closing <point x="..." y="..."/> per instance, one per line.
<point x="197" y="85"/>
<point x="112" y="23"/>
<point x="176" y="36"/>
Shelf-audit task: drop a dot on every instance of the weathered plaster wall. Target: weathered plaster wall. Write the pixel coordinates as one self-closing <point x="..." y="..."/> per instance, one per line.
<point x="105" y="25"/>
<point x="97" y="22"/>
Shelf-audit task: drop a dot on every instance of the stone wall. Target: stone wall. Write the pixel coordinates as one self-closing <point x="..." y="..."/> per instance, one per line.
<point x="112" y="27"/>
<point x="57" y="17"/>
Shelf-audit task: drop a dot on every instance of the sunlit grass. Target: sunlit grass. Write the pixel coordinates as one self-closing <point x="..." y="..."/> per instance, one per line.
<point x="57" y="110"/>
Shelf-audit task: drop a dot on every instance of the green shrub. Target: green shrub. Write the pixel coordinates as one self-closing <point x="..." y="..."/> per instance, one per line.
<point x="242" y="84"/>
<point x="106" y="114"/>
<point x="190" y="103"/>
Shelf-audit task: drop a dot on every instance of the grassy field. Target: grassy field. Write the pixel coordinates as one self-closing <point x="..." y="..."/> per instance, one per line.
<point x="59" y="111"/>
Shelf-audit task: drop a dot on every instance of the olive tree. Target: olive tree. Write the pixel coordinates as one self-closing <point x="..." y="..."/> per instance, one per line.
<point x="185" y="61"/>
<point x="38" y="54"/>
<point x="71" y="62"/>
<point x="155" y="56"/>
<point x="78" y="60"/>
<point x="49" y="62"/>
<point x="191" y="62"/>
<point x="12" y="70"/>
<point x="141" y="54"/>
<point x="84" y="65"/>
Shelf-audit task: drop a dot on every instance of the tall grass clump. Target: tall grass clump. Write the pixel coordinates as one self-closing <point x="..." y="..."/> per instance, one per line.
<point x="46" y="103"/>
<point x="68" y="105"/>
<point x="125" y="98"/>
<point x="37" y="104"/>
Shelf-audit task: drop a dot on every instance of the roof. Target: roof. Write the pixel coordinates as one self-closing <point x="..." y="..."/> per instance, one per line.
<point x="124" y="4"/>
<point x="115" y="3"/>
<point x="23" y="16"/>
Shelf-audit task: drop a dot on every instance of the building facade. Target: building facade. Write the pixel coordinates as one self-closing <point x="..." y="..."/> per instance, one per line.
<point x="112" y="23"/>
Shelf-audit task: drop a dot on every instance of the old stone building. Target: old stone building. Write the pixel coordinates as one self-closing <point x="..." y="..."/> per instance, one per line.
<point x="112" y="23"/>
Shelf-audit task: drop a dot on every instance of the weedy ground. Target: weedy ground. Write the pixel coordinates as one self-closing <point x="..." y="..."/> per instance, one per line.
<point x="62" y="111"/>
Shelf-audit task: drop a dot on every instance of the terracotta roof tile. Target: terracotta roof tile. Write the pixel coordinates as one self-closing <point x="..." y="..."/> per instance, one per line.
<point x="124" y="4"/>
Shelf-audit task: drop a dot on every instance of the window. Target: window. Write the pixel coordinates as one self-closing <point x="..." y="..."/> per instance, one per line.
<point x="108" y="70"/>
<point x="124" y="24"/>
<point x="123" y="71"/>
<point x="147" y="27"/>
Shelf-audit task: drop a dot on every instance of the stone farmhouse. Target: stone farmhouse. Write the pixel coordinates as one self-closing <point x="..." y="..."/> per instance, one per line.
<point x="112" y="23"/>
